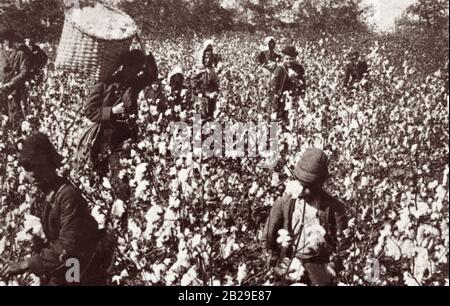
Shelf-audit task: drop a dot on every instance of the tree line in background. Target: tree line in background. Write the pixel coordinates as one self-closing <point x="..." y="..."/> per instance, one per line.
<point x="423" y="28"/>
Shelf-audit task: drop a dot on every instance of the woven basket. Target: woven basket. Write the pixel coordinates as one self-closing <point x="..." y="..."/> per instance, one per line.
<point x="93" y="57"/>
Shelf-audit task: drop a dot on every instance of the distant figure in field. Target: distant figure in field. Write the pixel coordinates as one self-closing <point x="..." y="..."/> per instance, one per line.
<point x="14" y="70"/>
<point x="268" y="59"/>
<point x="355" y="69"/>
<point x="288" y="77"/>
<point x="205" y="83"/>
<point x="38" y="59"/>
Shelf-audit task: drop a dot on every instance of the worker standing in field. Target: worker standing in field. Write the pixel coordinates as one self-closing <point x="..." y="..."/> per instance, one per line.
<point x="14" y="71"/>
<point x="315" y="221"/>
<point x="355" y="71"/>
<point x="268" y="59"/>
<point x="113" y="108"/>
<point x="287" y="78"/>
<point x="71" y="233"/>
<point x="205" y="83"/>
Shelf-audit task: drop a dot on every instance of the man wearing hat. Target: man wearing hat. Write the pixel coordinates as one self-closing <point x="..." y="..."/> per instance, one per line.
<point x="287" y="77"/>
<point x="355" y="69"/>
<point x="112" y="107"/>
<point x="315" y="221"/>
<point x="70" y="230"/>
<point x="177" y="92"/>
<point x="14" y="70"/>
<point x="269" y="59"/>
<point x="38" y="59"/>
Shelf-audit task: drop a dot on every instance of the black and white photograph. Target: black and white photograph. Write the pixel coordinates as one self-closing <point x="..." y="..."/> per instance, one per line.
<point x="241" y="144"/>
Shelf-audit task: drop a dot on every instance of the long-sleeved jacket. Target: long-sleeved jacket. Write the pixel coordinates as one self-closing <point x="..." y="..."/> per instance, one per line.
<point x="281" y="81"/>
<point x="332" y="217"/>
<point x="70" y="230"/>
<point x="14" y="69"/>
<point x="205" y="81"/>
<point x="354" y="72"/>
<point x="266" y="57"/>
<point x="116" y="129"/>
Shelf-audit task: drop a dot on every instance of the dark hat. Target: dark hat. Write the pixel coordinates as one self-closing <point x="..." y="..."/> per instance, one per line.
<point x="134" y="57"/>
<point x="353" y="55"/>
<point x="289" y="50"/>
<point x="37" y="150"/>
<point x="312" y="168"/>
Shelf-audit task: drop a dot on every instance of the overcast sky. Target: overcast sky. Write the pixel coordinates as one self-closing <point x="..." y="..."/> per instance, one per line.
<point x="386" y="11"/>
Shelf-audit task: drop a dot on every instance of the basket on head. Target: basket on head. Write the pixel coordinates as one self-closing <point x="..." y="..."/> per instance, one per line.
<point x="92" y="44"/>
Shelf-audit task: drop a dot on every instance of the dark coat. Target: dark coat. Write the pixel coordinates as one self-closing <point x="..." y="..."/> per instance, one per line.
<point x="355" y="72"/>
<point x="37" y="57"/>
<point x="14" y="68"/>
<point x="332" y="216"/>
<point x="70" y="230"/>
<point x="205" y="81"/>
<point x="281" y="82"/>
<point x="115" y="129"/>
<point x="266" y="57"/>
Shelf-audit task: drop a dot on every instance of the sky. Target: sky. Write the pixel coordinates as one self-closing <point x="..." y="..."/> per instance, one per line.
<point x="386" y="11"/>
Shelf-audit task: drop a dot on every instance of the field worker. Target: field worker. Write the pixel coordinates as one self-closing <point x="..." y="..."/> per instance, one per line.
<point x="205" y="83"/>
<point x="287" y="77"/>
<point x="70" y="230"/>
<point x="14" y="70"/>
<point x="355" y="69"/>
<point x="38" y="60"/>
<point x="156" y="96"/>
<point x="268" y="59"/>
<point x="315" y="221"/>
<point x="177" y="91"/>
<point x="112" y="107"/>
<point x="216" y="58"/>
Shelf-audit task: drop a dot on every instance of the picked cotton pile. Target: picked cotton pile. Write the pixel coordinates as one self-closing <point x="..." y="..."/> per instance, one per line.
<point x="103" y="23"/>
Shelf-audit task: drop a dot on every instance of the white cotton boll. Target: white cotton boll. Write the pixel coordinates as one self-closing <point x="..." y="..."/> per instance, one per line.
<point x="33" y="224"/>
<point x="297" y="270"/>
<point x="25" y="127"/>
<point x="118" y="208"/>
<point x="283" y="238"/>
<point x="140" y="172"/>
<point x="3" y="244"/>
<point x="253" y="189"/>
<point x="242" y="273"/>
<point x="408" y="248"/>
<point x="140" y="192"/>
<point x="315" y="235"/>
<point x="162" y="148"/>
<point x="294" y="188"/>
<point x="228" y="200"/>
<point x="196" y="240"/>
<point x="174" y="202"/>
<point x="422" y="209"/>
<point x="106" y="184"/>
<point x="98" y="216"/>
<point x="275" y="180"/>
<point x="392" y="249"/>
<point x="183" y="175"/>
<point x="135" y="230"/>
<point x="154" y="110"/>
<point x="421" y="263"/>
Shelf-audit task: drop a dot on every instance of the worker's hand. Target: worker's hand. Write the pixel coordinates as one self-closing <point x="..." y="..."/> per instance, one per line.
<point x="118" y="109"/>
<point x="282" y="267"/>
<point x="4" y="86"/>
<point x="14" y="268"/>
<point x="271" y="66"/>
